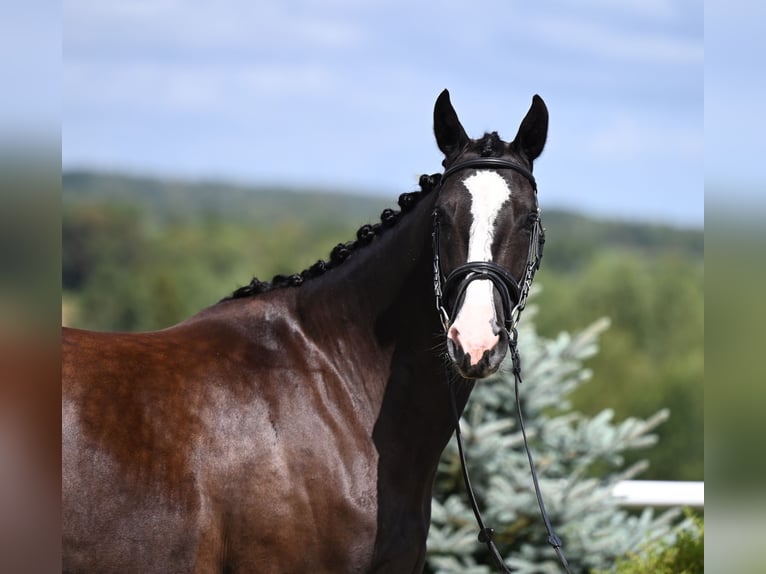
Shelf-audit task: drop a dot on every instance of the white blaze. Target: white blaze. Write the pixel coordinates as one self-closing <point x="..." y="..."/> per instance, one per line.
<point x="473" y="327"/>
<point x="489" y="191"/>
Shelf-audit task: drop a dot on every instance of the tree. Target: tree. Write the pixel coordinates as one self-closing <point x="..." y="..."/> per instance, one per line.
<point x="568" y="447"/>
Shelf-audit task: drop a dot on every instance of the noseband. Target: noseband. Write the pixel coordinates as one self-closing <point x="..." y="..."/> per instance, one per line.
<point x="513" y="293"/>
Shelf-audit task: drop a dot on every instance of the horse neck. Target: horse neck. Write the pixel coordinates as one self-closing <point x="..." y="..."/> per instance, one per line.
<point x="392" y="271"/>
<point x="368" y="294"/>
<point x="377" y="314"/>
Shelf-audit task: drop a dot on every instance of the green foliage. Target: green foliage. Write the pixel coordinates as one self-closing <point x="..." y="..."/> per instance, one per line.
<point x="653" y="354"/>
<point x="573" y="239"/>
<point x="142" y="254"/>
<point x="684" y="556"/>
<point x="567" y="446"/>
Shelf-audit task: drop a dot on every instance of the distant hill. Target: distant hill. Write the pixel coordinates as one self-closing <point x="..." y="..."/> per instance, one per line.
<point x="570" y="236"/>
<point x="170" y="199"/>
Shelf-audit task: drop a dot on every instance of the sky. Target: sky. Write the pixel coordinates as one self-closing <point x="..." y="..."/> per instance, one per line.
<point x="339" y="94"/>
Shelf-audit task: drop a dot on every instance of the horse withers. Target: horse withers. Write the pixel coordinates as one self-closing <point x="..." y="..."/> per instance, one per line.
<point x="296" y="426"/>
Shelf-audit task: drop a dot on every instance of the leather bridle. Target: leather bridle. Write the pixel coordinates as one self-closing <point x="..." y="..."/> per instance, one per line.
<point x="514" y="295"/>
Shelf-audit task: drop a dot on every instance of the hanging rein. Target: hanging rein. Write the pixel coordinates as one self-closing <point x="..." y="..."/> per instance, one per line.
<point x="513" y="295"/>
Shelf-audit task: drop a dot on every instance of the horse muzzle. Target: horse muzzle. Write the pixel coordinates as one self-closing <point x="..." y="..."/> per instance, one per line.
<point x="476" y="341"/>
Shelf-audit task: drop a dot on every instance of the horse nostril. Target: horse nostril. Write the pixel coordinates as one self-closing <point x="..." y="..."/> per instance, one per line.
<point x="454" y="348"/>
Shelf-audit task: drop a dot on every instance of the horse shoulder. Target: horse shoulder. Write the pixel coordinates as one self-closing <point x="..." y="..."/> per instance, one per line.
<point x="230" y="425"/>
<point x="298" y="451"/>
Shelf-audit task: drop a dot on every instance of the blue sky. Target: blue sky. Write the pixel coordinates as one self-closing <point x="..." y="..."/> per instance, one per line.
<point x="340" y="93"/>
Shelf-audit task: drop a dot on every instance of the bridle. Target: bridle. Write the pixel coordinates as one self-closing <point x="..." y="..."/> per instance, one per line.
<point x="513" y="295"/>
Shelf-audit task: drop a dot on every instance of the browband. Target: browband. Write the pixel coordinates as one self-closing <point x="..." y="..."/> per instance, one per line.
<point x="490" y="162"/>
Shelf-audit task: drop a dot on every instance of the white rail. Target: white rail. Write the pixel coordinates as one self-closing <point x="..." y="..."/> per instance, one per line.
<point x="660" y="493"/>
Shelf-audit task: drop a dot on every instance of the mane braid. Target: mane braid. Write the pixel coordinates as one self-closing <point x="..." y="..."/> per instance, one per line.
<point x="364" y="236"/>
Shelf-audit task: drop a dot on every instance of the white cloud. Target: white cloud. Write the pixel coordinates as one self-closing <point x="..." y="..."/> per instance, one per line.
<point x="646" y="9"/>
<point x="211" y="90"/>
<point x="626" y="137"/>
<point x="204" y="28"/>
<point x="612" y="42"/>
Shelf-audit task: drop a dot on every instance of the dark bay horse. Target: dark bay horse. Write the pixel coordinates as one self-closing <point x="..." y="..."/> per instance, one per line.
<point x="296" y="426"/>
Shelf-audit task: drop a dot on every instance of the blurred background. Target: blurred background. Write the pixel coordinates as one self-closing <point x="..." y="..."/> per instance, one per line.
<point x="217" y="130"/>
<point x="339" y="94"/>
<point x="205" y="143"/>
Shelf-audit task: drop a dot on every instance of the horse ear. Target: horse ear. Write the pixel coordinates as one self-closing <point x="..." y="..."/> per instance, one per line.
<point x="530" y="140"/>
<point x="450" y="135"/>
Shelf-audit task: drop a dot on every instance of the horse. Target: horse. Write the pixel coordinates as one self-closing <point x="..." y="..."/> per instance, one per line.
<point x="297" y="424"/>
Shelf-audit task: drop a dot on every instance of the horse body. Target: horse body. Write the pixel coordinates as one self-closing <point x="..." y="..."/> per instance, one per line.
<point x="236" y="462"/>
<point x="299" y="430"/>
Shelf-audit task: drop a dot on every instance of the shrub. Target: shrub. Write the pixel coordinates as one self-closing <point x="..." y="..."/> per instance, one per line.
<point x="579" y="459"/>
<point x="684" y="556"/>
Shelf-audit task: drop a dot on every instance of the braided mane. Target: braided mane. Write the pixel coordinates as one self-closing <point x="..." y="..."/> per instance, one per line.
<point x="341" y="252"/>
<point x="490" y="145"/>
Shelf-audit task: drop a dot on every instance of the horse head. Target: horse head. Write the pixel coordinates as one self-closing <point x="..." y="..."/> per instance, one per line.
<point x="486" y="234"/>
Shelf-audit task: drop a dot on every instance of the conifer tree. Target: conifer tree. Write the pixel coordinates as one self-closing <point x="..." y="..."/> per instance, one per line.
<point x="578" y="459"/>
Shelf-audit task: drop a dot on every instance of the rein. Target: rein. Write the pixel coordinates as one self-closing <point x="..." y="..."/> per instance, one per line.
<point x="510" y="291"/>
